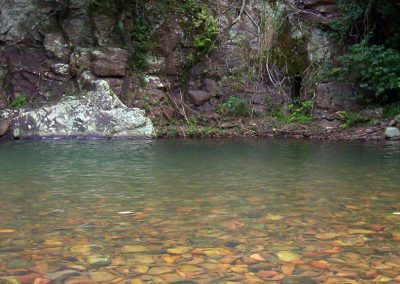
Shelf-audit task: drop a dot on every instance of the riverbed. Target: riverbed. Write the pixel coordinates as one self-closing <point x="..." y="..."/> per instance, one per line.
<point x="199" y="211"/>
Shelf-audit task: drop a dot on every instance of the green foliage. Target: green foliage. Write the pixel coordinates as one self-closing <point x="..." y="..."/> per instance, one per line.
<point x="368" y="31"/>
<point x="200" y="27"/>
<point x="301" y="114"/>
<point x="236" y="106"/>
<point x="351" y="119"/>
<point x="375" y="20"/>
<point x="19" y="102"/>
<point x="374" y="68"/>
<point x="141" y="45"/>
<point x="391" y="110"/>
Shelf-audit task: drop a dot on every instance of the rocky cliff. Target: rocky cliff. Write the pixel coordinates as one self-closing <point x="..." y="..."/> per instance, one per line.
<point x="269" y="54"/>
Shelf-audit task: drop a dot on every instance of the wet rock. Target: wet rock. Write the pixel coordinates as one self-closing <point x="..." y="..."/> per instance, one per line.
<point x="28" y="278"/>
<point x="99" y="260"/>
<point x="257" y="257"/>
<point x="41" y="281"/>
<point x="79" y="280"/>
<point x="267" y="273"/>
<point x="160" y="270"/>
<point x="392" y="132"/>
<point x="298" y="280"/>
<point x="133" y="249"/>
<point x="9" y="280"/>
<point x="81" y="249"/>
<point x="140" y="269"/>
<point x="109" y="62"/>
<point x="19" y="263"/>
<point x="97" y="113"/>
<point x="60" y="276"/>
<point x="101" y="276"/>
<point x="198" y="98"/>
<point x="179" y="250"/>
<point x="320" y="264"/>
<point x="288" y="256"/>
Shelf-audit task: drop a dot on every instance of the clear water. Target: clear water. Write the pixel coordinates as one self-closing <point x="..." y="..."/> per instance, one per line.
<point x="234" y="211"/>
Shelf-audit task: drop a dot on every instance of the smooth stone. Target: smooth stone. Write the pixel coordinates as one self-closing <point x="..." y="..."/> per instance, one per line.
<point x="215" y="251"/>
<point x="53" y="243"/>
<point x="8" y="280"/>
<point x="62" y="275"/>
<point x="187" y="268"/>
<point x="360" y="232"/>
<point x="209" y="241"/>
<point x="172" y="277"/>
<point x="101" y="276"/>
<point x="19" y="263"/>
<point x="133" y="249"/>
<point x="257" y="257"/>
<point x="179" y="250"/>
<point x="382" y="279"/>
<point x="273" y="217"/>
<point x="392" y="132"/>
<point x="143" y="259"/>
<point x="81" y="249"/>
<point x="160" y="270"/>
<point x="140" y="269"/>
<point x="10" y="250"/>
<point x="99" y="260"/>
<point x="41" y="281"/>
<point x="82" y="280"/>
<point x="288" y="256"/>
<point x="298" y="280"/>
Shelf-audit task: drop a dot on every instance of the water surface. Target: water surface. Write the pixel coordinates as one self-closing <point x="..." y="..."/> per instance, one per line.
<point x="200" y="211"/>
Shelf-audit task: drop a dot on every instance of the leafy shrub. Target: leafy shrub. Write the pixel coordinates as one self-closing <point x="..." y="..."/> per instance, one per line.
<point x="19" y="102"/>
<point x="200" y="27"/>
<point x="351" y="119"/>
<point x="374" y="68"/>
<point x="236" y="106"/>
<point x="391" y="110"/>
<point x="301" y="114"/>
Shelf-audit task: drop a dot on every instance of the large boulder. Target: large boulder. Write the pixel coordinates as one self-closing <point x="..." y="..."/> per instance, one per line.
<point x="392" y="132"/>
<point x="98" y="113"/>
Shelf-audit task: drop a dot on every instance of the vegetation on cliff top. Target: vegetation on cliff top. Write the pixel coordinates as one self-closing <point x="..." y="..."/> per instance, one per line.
<point x="369" y="31"/>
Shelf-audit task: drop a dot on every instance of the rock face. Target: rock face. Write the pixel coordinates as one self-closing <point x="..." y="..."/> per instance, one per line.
<point x="41" y="57"/>
<point x="97" y="113"/>
<point x="332" y="97"/>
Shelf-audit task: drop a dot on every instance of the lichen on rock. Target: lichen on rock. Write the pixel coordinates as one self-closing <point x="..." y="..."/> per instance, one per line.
<point x="97" y="112"/>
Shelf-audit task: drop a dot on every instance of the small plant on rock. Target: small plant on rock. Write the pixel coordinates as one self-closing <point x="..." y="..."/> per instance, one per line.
<point x="301" y="114"/>
<point x="236" y="106"/>
<point x="19" y="102"/>
<point x="351" y="119"/>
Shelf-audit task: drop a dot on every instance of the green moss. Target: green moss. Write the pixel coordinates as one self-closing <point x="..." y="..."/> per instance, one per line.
<point x="19" y="102"/>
